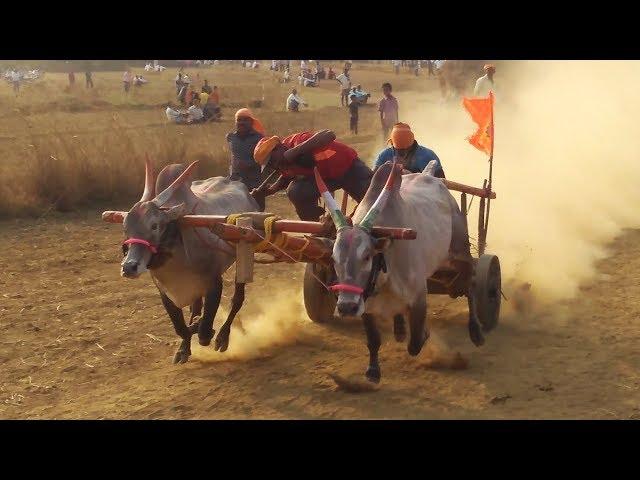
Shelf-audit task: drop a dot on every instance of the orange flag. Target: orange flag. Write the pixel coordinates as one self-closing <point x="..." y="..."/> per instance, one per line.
<point x="481" y="110"/>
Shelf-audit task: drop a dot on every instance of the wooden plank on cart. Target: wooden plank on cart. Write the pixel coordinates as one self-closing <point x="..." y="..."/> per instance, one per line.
<point x="293" y="226"/>
<point x="478" y="192"/>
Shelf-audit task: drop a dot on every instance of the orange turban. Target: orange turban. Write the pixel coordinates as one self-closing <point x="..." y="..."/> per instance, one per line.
<point x="257" y="125"/>
<point x="401" y="136"/>
<point x="488" y="67"/>
<point x="264" y="148"/>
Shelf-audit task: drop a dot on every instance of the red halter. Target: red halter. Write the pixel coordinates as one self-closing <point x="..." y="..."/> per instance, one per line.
<point x="345" y="287"/>
<point x="151" y="247"/>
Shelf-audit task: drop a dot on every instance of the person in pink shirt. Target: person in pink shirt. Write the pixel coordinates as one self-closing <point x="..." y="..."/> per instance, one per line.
<point x="388" y="108"/>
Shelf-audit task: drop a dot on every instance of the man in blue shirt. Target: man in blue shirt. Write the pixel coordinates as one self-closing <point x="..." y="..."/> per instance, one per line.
<point x="414" y="157"/>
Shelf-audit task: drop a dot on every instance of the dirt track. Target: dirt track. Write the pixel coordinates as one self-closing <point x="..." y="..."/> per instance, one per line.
<point x="74" y="344"/>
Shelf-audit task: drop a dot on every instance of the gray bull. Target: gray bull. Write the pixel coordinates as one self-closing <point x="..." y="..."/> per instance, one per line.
<point x="186" y="264"/>
<point x="418" y="201"/>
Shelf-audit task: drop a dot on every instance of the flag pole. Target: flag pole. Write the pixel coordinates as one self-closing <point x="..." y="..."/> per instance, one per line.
<point x="486" y="220"/>
<point x="492" y="141"/>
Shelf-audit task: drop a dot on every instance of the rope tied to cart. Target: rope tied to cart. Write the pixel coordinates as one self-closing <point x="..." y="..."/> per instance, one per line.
<point x="278" y="241"/>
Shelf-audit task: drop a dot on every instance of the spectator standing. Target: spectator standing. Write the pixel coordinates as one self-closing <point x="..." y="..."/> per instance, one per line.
<point x="15" y="80"/>
<point x="430" y="68"/>
<point x="353" y="114"/>
<point x="179" y="83"/>
<point x="485" y="84"/>
<point x="88" y="78"/>
<point x="127" y="78"/>
<point x="345" y="85"/>
<point x="388" y="108"/>
<point x="242" y="143"/>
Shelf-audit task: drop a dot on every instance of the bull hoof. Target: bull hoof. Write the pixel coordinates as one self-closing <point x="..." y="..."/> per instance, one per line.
<point x="414" y="348"/>
<point x="181" y="357"/>
<point x="184" y="352"/>
<point x="475" y="334"/>
<point x="194" y="325"/>
<point x="373" y="373"/>
<point x="204" y="337"/>
<point x="399" y="330"/>
<point x="222" y="340"/>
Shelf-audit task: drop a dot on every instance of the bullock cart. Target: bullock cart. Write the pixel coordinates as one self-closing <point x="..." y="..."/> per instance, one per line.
<point x="292" y="241"/>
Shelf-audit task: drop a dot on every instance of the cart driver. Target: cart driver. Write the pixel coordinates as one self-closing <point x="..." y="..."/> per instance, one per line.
<point x="414" y="157"/>
<point x="295" y="156"/>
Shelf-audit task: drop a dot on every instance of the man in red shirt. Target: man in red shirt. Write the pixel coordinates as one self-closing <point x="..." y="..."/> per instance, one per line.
<point x="294" y="158"/>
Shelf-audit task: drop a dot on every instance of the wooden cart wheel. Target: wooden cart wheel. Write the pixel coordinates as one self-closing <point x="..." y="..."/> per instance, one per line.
<point x="487" y="285"/>
<point x="319" y="303"/>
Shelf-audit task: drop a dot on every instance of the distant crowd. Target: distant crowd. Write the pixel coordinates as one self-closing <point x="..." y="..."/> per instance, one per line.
<point x="16" y="77"/>
<point x="201" y="106"/>
<point x="198" y="102"/>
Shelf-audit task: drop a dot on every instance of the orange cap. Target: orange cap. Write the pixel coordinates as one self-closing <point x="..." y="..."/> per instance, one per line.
<point x="264" y="148"/>
<point x="401" y="136"/>
<point x="257" y="124"/>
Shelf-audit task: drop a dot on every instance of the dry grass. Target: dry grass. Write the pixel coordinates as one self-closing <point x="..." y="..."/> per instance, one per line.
<point x="64" y="148"/>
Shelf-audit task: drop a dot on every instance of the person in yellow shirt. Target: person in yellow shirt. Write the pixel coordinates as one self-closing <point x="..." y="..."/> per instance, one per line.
<point x="204" y="98"/>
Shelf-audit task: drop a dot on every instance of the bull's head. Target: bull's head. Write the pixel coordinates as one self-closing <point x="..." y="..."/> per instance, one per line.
<point x="146" y="224"/>
<point x="354" y="248"/>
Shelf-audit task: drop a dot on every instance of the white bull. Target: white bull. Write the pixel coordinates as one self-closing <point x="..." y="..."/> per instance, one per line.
<point x="418" y="201"/>
<point x="186" y="264"/>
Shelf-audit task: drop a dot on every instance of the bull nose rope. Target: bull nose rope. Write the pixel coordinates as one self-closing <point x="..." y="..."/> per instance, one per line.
<point x="140" y="241"/>
<point x="279" y="242"/>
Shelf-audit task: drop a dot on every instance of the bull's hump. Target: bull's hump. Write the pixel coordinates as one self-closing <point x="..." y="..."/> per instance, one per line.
<point x="220" y="196"/>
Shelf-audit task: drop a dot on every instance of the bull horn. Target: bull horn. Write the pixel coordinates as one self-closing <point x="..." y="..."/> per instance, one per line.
<point x="168" y="192"/>
<point x="149" y="187"/>
<point x="336" y="214"/>
<point x="367" y="222"/>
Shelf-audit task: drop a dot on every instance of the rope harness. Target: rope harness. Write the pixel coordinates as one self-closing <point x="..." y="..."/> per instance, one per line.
<point x="278" y="241"/>
<point x="379" y="264"/>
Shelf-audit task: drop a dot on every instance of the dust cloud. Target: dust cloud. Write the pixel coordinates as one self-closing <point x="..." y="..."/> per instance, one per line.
<point x="566" y="165"/>
<point x="256" y="331"/>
